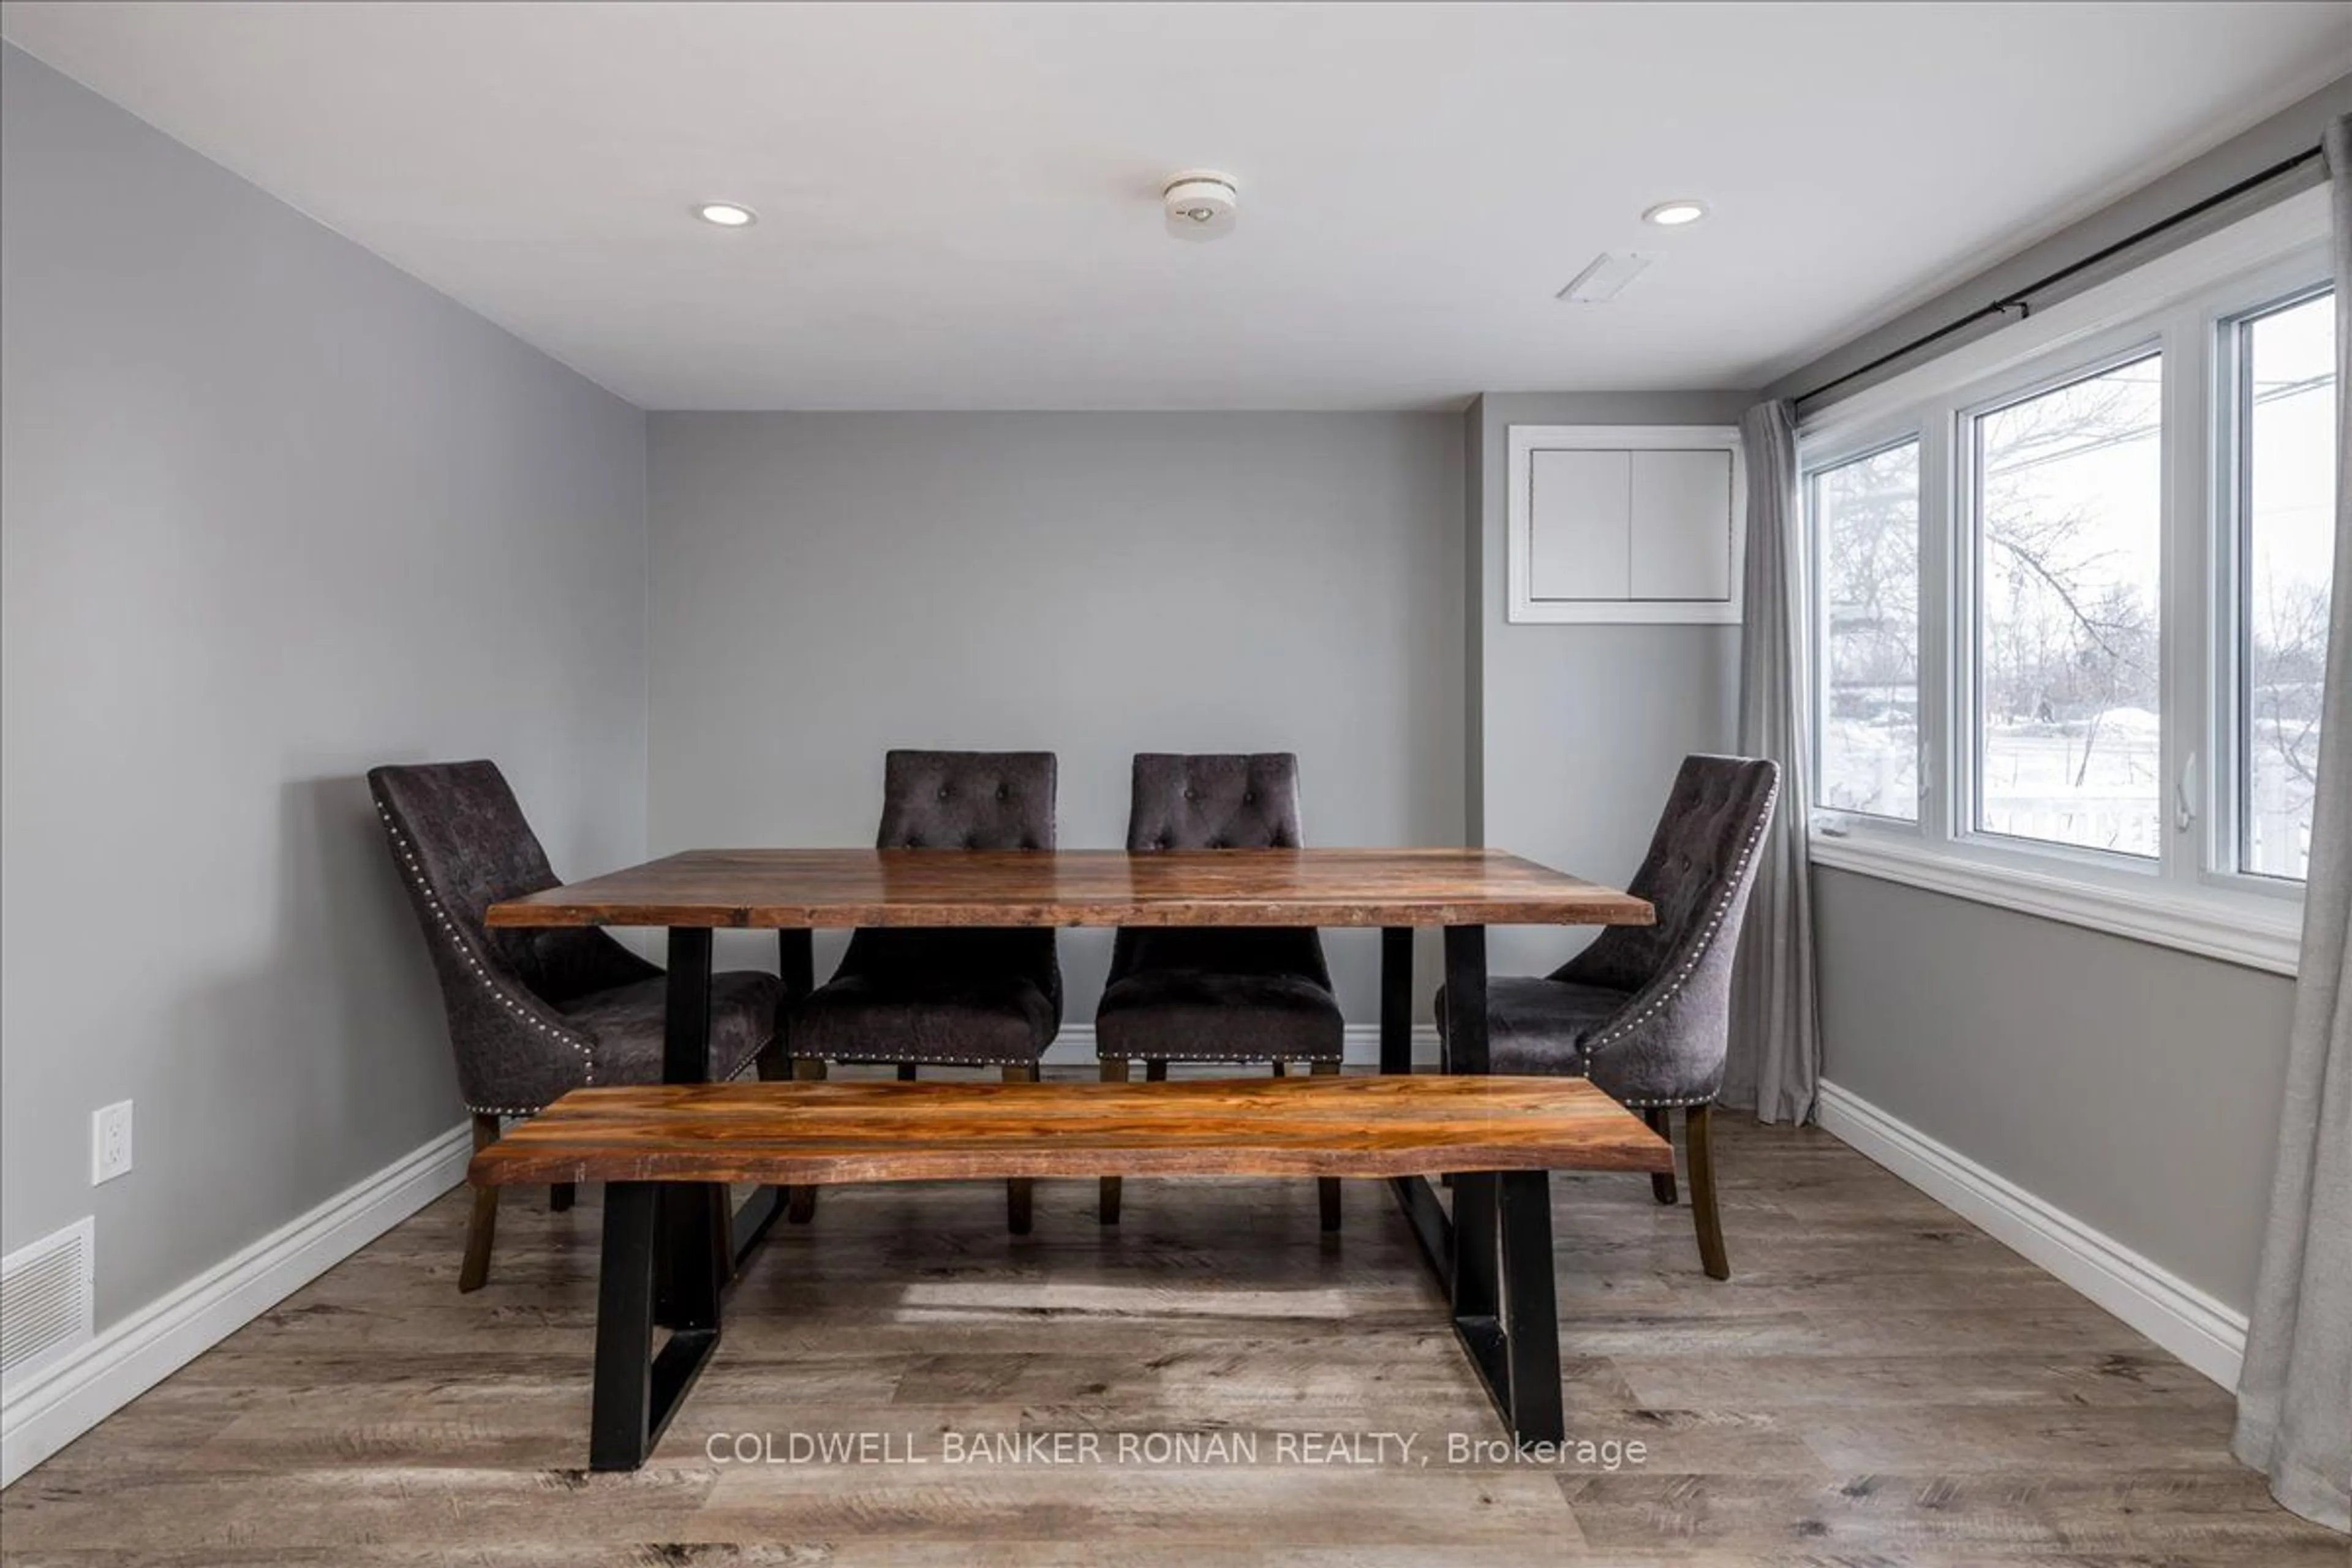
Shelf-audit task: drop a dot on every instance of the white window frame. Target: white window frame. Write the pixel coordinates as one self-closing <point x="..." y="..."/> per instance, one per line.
<point x="1962" y="601"/>
<point x="2192" y="896"/>
<point x="2225" y="743"/>
<point x="1861" y="443"/>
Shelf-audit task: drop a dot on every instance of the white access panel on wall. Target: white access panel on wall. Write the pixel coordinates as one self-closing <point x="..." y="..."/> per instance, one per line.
<point x="1624" y="523"/>
<point x="1580" y="545"/>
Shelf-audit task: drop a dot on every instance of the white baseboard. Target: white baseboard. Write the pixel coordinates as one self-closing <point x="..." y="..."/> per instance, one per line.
<point x="1075" y="1045"/>
<point x="68" y="1398"/>
<point x="2206" y="1333"/>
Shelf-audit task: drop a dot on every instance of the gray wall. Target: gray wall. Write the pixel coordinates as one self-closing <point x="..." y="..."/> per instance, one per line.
<point x="2133" y="1087"/>
<point x="1581" y="727"/>
<point x="829" y="585"/>
<point x="273" y="511"/>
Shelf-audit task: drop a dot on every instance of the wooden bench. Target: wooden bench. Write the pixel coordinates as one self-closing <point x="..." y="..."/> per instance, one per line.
<point x="659" y="1149"/>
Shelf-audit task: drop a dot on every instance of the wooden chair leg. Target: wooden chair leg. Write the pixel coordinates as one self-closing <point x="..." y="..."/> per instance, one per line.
<point x="559" y="1195"/>
<point x="906" y="1072"/>
<point x="1155" y="1072"/>
<point x="800" y="1202"/>
<point x="1018" y="1188"/>
<point x="1661" y="1122"/>
<point x="1114" y="1070"/>
<point x="1326" y="1188"/>
<point x="1696" y="1134"/>
<point x="482" y="1223"/>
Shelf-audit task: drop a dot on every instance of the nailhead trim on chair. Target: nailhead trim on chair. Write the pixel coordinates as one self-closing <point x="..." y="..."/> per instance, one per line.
<point x="919" y="1061"/>
<point x="1706" y="939"/>
<point x="457" y="934"/>
<point x="1188" y="1061"/>
<point x="747" y="1064"/>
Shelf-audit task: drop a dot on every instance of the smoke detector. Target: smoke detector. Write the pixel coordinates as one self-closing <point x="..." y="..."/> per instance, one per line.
<point x="1200" y="203"/>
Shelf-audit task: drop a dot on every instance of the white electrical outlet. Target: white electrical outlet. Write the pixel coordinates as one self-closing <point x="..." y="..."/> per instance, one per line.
<point x="109" y="1143"/>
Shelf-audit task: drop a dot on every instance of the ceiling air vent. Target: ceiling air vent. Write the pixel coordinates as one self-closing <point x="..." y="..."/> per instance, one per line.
<point x="45" y="1299"/>
<point x="1610" y="272"/>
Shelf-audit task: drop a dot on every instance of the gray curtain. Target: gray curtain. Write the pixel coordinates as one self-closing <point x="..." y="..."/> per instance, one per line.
<point x="1775" y="1067"/>
<point x="2294" y="1394"/>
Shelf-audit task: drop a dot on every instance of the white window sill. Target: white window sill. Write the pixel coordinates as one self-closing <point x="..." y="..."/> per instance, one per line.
<point x="2257" y="932"/>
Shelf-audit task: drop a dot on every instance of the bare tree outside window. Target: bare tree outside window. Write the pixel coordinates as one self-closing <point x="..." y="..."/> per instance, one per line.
<point x="2286" y="473"/>
<point x="2069" y="511"/>
<point x="1866" y="520"/>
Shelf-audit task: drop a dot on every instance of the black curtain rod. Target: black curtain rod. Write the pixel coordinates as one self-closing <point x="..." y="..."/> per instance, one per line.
<point x="2019" y="300"/>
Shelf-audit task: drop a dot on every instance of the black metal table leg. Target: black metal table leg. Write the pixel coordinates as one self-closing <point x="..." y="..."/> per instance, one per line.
<point x="1466" y="1020"/>
<point x="1494" y="1252"/>
<point x="694" y="1255"/>
<point x="1475" y="1241"/>
<point x="685" y="1023"/>
<point x="1465" y="998"/>
<point x="1396" y="999"/>
<point x="796" y="962"/>
<point x="796" y="967"/>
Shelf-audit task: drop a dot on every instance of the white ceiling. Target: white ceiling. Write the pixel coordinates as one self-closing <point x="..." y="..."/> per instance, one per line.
<point x="959" y="203"/>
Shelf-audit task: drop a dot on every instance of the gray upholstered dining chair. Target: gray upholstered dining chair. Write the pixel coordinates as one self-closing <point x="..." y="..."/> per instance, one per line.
<point x="1645" y="1011"/>
<point x="949" y="997"/>
<point x="532" y="1013"/>
<point x="1242" y="994"/>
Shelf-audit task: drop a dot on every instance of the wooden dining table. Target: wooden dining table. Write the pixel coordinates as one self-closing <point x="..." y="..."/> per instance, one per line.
<point x="796" y="892"/>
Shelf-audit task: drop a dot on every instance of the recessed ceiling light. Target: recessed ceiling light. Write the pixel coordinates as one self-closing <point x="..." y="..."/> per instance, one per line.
<point x="727" y="214"/>
<point x="1674" y="214"/>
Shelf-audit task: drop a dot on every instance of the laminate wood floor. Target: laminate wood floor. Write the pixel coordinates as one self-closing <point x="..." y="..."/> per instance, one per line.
<point x="1877" y="1383"/>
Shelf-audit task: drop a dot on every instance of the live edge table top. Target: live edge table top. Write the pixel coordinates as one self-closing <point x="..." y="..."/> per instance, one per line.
<point x="787" y="890"/>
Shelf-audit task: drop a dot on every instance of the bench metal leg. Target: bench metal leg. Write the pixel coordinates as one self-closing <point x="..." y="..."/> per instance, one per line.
<point x="637" y="1392"/>
<point x="1531" y="1308"/>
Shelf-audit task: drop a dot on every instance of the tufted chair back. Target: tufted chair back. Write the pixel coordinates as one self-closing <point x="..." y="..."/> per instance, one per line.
<point x="1704" y="844"/>
<point x="967" y="800"/>
<point x="951" y="801"/>
<point x="1671" y="1035"/>
<point x="1216" y="801"/>
<point x="460" y="843"/>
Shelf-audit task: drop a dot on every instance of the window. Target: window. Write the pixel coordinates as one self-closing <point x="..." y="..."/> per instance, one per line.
<point x="2069" y="540"/>
<point x="1867" y="526"/>
<point x="2070" y="599"/>
<point x="2285" y="471"/>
